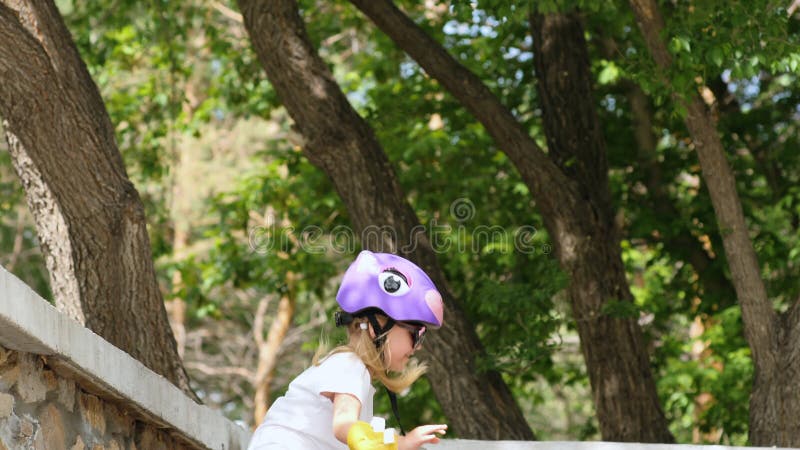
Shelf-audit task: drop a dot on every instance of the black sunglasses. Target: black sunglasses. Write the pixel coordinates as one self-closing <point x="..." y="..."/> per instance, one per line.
<point x="417" y="333"/>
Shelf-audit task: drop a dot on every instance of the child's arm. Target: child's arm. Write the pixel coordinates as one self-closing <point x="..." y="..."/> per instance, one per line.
<point x="346" y="409"/>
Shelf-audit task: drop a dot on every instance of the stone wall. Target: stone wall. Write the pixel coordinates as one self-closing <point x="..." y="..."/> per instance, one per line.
<point x="43" y="409"/>
<point x="62" y="387"/>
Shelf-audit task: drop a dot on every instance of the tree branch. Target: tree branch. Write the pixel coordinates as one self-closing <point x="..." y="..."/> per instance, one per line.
<point x="221" y="371"/>
<point x="757" y="313"/>
<point x="268" y="350"/>
<point x="258" y="320"/>
<point x="542" y="176"/>
<point x="792" y="8"/>
<point x="682" y="243"/>
<point x="227" y="12"/>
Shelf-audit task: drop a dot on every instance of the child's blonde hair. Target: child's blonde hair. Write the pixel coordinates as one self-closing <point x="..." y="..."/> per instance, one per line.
<point x="363" y="345"/>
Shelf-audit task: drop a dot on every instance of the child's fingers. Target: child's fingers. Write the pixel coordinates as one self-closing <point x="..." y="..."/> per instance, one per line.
<point x="431" y="431"/>
<point x="427" y="433"/>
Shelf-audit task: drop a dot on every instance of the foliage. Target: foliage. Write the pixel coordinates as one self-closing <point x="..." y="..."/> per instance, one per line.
<point x="213" y="154"/>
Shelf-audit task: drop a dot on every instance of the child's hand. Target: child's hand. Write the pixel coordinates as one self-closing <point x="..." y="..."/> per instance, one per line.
<point x="425" y="434"/>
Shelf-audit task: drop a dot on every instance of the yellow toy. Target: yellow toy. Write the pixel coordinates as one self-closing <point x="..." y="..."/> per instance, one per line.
<point x="374" y="436"/>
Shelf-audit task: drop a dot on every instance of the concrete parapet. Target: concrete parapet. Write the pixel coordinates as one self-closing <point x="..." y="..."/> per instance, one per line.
<point x="64" y="387"/>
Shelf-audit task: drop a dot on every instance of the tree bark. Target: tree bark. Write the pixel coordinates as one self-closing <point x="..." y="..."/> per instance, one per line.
<point x="478" y="405"/>
<point x="774" y="339"/>
<point x="89" y="217"/>
<point x="572" y="192"/>
<point x="627" y="411"/>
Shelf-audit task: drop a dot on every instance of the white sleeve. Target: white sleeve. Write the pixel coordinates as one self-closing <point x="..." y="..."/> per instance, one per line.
<point x="345" y="373"/>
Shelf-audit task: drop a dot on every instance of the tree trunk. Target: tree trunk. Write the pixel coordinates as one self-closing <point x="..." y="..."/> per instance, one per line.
<point x="575" y="204"/>
<point x="774" y="339"/>
<point x="89" y="217"/>
<point x="182" y="185"/>
<point x="627" y="410"/>
<point x="176" y="307"/>
<point x="268" y="349"/>
<point x="478" y="405"/>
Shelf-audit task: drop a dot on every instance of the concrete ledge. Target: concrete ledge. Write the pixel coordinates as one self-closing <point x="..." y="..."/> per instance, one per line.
<point x="464" y="444"/>
<point x="30" y="324"/>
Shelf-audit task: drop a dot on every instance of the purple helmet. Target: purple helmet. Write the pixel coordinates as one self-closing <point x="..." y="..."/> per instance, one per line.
<point x="392" y="284"/>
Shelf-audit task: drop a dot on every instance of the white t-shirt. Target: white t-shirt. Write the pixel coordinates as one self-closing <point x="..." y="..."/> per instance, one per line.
<point x="303" y="418"/>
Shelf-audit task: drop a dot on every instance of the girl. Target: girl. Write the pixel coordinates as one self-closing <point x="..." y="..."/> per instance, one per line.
<point x="387" y="305"/>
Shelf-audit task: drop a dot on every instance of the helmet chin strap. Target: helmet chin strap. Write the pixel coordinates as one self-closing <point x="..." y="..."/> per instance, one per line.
<point x="380" y="338"/>
<point x="380" y="331"/>
<point x="395" y="410"/>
